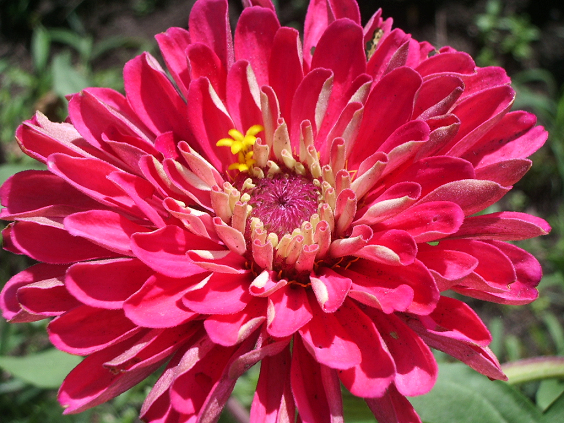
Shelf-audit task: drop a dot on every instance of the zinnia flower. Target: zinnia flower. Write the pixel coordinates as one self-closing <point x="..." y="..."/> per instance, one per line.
<point x="301" y="204"/>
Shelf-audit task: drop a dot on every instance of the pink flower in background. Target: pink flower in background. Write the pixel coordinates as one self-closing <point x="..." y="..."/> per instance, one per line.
<point x="298" y="204"/>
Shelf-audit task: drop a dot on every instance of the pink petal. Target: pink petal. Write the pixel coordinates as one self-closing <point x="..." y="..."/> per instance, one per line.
<point x="39" y="138"/>
<point x="90" y="383"/>
<point x="393" y="201"/>
<point x="415" y="276"/>
<point x="372" y="376"/>
<point x="393" y="407"/>
<point x="46" y="298"/>
<point x="437" y="95"/>
<point x="152" y="348"/>
<point x="243" y="96"/>
<point x="456" y="62"/>
<point x="153" y="98"/>
<point x="9" y="303"/>
<point x="209" y="24"/>
<point x="173" y="43"/>
<point x="449" y="264"/>
<point x="391" y="247"/>
<point x="94" y="111"/>
<point x="205" y="63"/>
<point x="216" y="295"/>
<point x="106" y="283"/>
<point x="231" y="329"/>
<point x="416" y="368"/>
<point x="503" y="226"/>
<point x="140" y="191"/>
<point x="506" y="173"/>
<point x="387" y="108"/>
<point x="273" y="400"/>
<point x="190" y="389"/>
<point x="41" y="193"/>
<point x="471" y="195"/>
<point x="84" y="329"/>
<point x="90" y="177"/>
<point x="285" y="70"/>
<point x="164" y="250"/>
<point x="387" y="48"/>
<point x="478" y="114"/>
<point x="459" y="319"/>
<point x="288" y="311"/>
<point x="347" y="64"/>
<point x="105" y="228"/>
<point x="528" y="274"/>
<point x="254" y="35"/>
<point x="493" y="265"/>
<point x="326" y="338"/>
<point x="51" y="244"/>
<point x="310" y="102"/>
<point x="428" y="221"/>
<point x="158" y="303"/>
<point x="309" y="384"/>
<point x="433" y="172"/>
<point x="222" y="261"/>
<point x="322" y="13"/>
<point x="209" y="122"/>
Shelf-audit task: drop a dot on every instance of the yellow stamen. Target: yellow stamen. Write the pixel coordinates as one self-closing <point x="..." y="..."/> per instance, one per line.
<point x="241" y="146"/>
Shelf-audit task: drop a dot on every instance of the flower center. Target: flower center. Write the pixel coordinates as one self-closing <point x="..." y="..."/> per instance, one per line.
<point x="283" y="202"/>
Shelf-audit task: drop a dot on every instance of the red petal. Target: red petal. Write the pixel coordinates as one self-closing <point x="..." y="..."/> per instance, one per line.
<point x="41" y="193"/>
<point x="387" y="108"/>
<point x="164" y="250"/>
<point x="308" y="386"/>
<point x="173" y="44"/>
<point x="51" y="244"/>
<point x="216" y="295"/>
<point x="205" y="63"/>
<point x="47" y="297"/>
<point x="9" y="302"/>
<point x="209" y="24"/>
<point x="89" y="176"/>
<point x="503" y="226"/>
<point x="416" y="368"/>
<point x="90" y="383"/>
<point x="288" y="311"/>
<point x="428" y="221"/>
<point x="393" y="407"/>
<point x="106" y="283"/>
<point x="105" y="228"/>
<point x="158" y="304"/>
<point x="285" y="70"/>
<point x="372" y="376"/>
<point x="231" y="329"/>
<point x="153" y="97"/>
<point x="325" y="336"/>
<point x="84" y="330"/>
<point x="273" y="400"/>
<point x="254" y="35"/>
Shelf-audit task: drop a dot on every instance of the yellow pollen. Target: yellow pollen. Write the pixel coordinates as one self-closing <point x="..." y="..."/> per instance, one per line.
<point x="241" y="146"/>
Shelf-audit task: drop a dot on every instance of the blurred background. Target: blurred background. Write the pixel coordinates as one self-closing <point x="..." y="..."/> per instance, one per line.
<point x="51" y="48"/>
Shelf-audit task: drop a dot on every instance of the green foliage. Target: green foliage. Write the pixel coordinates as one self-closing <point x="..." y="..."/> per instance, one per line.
<point x="504" y="34"/>
<point x="463" y="396"/>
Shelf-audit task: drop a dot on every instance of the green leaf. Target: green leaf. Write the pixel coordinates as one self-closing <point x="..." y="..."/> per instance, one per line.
<point x="460" y="389"/>
<point x="46" y="369"/>
<point x="40" y="44"/>
<point x="555" y="413"/>
<point x="549" y="390"/>
<point x="66" y="79"/>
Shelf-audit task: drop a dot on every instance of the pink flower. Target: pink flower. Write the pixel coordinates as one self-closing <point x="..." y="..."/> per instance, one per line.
<point x="302" y="205"/>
